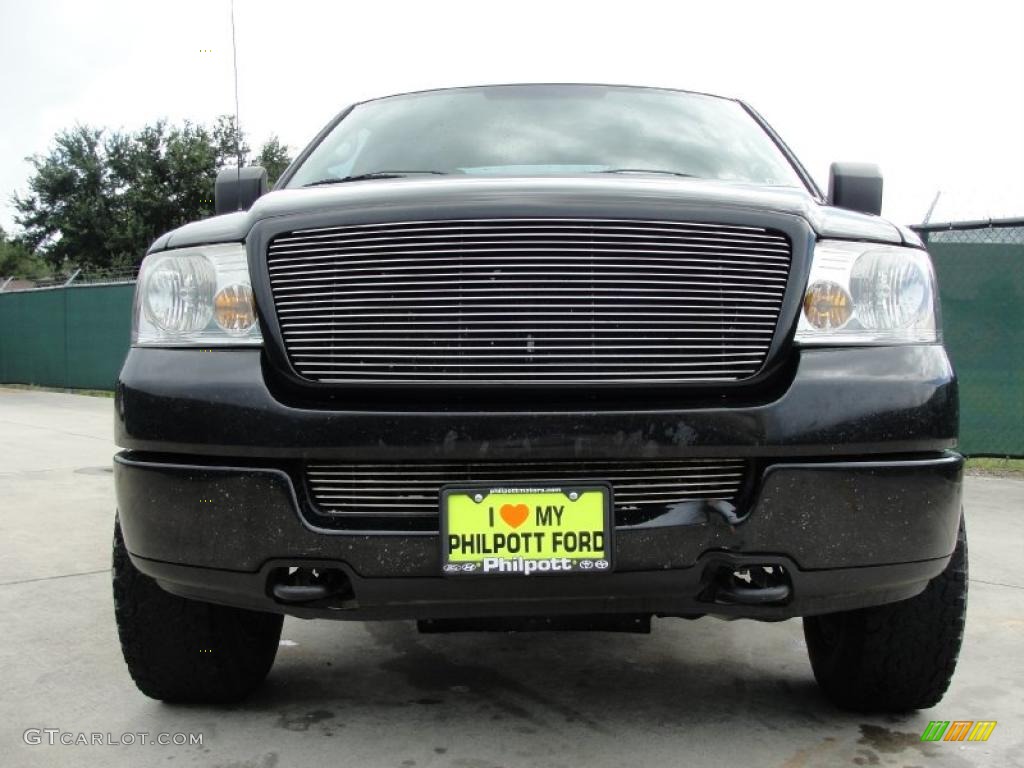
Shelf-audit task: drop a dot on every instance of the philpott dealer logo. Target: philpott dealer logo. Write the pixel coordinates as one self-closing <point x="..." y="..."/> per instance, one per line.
<point x="958" y="730"/>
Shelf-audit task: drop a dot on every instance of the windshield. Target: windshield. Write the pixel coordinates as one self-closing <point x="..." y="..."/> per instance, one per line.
<point x="549" y="130"/>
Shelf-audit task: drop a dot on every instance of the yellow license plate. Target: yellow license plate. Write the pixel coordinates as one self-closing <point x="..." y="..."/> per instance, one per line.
<point x="526" y="530"/>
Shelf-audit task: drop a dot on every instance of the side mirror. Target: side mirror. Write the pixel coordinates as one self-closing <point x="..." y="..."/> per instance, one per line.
<point x="236" y="189"/>
<point x="856" y="187"/>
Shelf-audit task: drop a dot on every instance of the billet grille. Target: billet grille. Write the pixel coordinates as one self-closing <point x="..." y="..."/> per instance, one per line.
<point x="529" y="300"/>
<point x="413" y="489"/>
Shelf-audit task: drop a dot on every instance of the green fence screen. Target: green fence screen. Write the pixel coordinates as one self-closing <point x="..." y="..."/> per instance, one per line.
<point x="74" y="337"/>
<point x="980" y="268"/>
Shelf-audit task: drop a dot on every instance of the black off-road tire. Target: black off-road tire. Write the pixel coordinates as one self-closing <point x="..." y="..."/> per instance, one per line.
<point x="897" y="657"/>
<point x="182" y="650"/>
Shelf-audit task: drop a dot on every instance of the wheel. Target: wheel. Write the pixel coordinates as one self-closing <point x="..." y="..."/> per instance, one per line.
<point x="896" y="657"/>
<point x="182" y="650"/>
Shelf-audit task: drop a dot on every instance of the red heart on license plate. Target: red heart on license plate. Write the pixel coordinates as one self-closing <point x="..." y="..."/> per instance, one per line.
<point x="514" y="514"/>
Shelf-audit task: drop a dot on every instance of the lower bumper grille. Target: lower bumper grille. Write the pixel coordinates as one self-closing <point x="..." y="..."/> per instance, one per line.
<point x="413" y="489"/>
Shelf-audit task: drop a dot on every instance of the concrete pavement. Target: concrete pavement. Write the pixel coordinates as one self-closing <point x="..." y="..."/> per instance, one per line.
<point x="693" y="693"/>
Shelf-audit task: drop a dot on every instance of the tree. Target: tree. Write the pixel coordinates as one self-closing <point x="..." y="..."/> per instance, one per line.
<point x="99" y="198"/>
<point x="274" y="157"/>
<point x="16" y="260"/>
<point x="164" y="178"/>
<point x="229" y="143"/>
<point x="67" y="214"/>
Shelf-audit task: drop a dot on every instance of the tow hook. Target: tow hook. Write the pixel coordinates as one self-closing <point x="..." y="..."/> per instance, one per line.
<point x="329" y="587"/>
<point x="762" y="584"/>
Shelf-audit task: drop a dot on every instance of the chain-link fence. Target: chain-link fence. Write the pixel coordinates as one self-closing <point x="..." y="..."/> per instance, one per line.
<point x="980" y="268"/>
<point x="85" y="276"/>
<point x="990" y="231"/>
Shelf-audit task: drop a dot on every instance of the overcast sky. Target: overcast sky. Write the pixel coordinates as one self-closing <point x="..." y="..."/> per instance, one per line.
<point x="931" y="91"/>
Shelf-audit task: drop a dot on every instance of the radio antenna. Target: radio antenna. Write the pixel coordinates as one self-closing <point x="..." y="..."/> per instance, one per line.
<point x="238" y="120"/>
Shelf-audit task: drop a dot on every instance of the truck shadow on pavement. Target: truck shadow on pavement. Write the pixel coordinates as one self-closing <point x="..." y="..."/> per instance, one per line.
<point x="384" y="683"/>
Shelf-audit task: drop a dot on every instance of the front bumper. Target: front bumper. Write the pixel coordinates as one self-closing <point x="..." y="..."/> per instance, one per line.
<point x="856" y="493"/>
<point x="849" y="534"/>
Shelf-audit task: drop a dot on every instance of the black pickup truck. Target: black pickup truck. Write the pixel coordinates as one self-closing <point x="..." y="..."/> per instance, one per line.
<point x="540" y="357"/>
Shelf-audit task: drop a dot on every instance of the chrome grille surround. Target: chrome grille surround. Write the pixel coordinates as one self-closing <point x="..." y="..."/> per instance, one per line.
<point x="500" y="301"/>
<point x="413" y="489"/>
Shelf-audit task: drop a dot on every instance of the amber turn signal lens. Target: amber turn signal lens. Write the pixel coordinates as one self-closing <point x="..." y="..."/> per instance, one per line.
<point x="827" y="305"/>
<point x="234" y="310"/>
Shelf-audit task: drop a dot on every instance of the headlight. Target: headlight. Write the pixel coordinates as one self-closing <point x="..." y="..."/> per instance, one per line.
<point x="860" y="293"/>
<point x="195" y="297"/>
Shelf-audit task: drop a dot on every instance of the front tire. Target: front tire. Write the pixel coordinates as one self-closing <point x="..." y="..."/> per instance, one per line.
<point x="182" y="650"/>
<point x="897" y="657"/>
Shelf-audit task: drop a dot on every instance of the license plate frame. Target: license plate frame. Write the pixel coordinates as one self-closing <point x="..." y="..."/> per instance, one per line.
<point x="488" y="517"/>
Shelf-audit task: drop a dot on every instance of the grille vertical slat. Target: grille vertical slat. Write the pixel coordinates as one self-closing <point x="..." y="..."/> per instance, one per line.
<point x="413" y="490"/>
<point x="526" y="300"/>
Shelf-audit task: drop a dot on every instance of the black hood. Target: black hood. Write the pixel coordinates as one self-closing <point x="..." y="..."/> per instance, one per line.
<point x="415" y="199"/>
